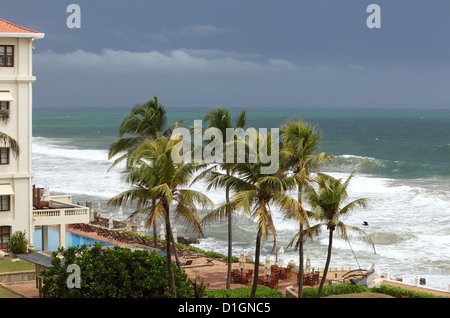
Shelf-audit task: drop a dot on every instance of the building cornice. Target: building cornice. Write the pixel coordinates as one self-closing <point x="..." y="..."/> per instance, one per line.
<point x="21" y="35"/>
<point x="17" y="79"/>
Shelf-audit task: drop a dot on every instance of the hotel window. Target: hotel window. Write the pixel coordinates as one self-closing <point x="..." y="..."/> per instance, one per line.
<point x="4" y="202"/>
<point x="6" y="55"/>
<point x="4" y="156"/>
<point x="4" y="105"/>
<point x="5" y="234"/>
<point x="4" y="108"/>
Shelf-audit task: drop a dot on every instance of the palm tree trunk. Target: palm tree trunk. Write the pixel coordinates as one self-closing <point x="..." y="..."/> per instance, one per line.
<point x="300" y="265"/>
<point x="256" y="270"/>
<point x="327" y="264"/>
<point x="155" y="234"/>
<point x="230" y="239"/>
<point x="175" y="253"/>
<point x="169" y="258"/>
<point x="300" y="251"/>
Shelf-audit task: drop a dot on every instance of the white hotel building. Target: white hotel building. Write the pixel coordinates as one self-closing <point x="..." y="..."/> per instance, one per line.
<point x="21" y="207"/>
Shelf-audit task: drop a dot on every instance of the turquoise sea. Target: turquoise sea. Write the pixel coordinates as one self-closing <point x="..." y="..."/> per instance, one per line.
<point x="402" y="160"/>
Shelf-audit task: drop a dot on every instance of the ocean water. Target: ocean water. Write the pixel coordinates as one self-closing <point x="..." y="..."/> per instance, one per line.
<point x="401" y="159"/>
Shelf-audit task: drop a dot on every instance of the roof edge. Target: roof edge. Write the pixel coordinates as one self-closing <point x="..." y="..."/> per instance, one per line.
<point x="21" y="35"/>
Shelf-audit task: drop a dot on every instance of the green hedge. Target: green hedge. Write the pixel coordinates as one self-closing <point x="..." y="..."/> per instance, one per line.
<point x="399" y="292"/>
<point x="244" y="292"/>
<point x="329" y="290"/>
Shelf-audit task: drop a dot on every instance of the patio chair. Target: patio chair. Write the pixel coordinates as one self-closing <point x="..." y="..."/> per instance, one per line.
<point x="288" y="271"/>
<point x="102" y="232"/>
<point x="261" y="279"/>
<point x="315" y="278"/>
<point x="234" y="276"/>
<point x="273" y="283"/>
<point x="247" y="277"/>
<point x="120" y="237"/>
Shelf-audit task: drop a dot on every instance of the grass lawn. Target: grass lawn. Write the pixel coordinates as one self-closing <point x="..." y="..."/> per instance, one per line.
<point x="7" y="266"/>
<point x="5" y="293"/>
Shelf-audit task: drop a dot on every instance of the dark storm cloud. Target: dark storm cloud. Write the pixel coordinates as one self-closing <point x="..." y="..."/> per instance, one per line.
<point x="240" y="53"/>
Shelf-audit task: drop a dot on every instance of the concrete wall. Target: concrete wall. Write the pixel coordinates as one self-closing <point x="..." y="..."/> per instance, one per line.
<point x="15" y="277"/>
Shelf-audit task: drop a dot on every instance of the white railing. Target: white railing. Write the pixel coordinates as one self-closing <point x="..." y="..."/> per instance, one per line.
<point x="75" y="214"/>
<point x="60" y="212"/>
<point x="78" y="211"/>
<point x="46" y="213"/>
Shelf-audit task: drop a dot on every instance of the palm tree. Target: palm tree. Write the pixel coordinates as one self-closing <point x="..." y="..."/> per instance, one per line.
<point x="254" y="195"/>
<point x="5" y="138"/>
<point x="156" y="177"/>
<point x="326" y="205"/>
<point x="220" y="118"/>
<point x="146" y="121"/>
<point x="300" y="149"/>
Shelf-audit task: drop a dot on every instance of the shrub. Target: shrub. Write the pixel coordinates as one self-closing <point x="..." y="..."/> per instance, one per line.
<point x="244" y="292"/>
<point x="18" y="242"/>
<point x="113" y="273"/>
<point x="329" y="290"/>
<point x="398" y="292"/>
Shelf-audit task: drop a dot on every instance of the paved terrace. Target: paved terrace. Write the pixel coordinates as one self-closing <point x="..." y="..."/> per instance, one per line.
<point x="211" y="270"/>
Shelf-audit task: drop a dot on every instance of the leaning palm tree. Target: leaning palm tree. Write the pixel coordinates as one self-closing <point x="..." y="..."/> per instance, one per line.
<point x="300" y="148"/>
<point x="5" y="138"/>
<point x="146" y="121"/>
<point x="156" y="178"/>
<point x="220" y="118"/>
<point x="255" y="194"/>
<point x="326" y="204"/>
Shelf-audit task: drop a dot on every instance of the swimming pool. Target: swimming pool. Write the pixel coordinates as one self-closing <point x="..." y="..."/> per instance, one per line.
<point x="72" y="239"/>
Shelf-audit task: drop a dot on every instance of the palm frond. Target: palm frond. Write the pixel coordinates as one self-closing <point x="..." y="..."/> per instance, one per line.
<point x="10" y="142"/>
<point x="349" y="207"/>
<point x="348" y="231"/>
<point x="220" y="213"/>
<point x="245" y="200"/>
<point x="195" y="197"/>
<point x="241" y="119"/>
<point x="306" y="235"/>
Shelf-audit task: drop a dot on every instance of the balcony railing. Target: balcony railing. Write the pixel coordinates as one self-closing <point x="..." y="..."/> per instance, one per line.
<point x="61" y="213"/>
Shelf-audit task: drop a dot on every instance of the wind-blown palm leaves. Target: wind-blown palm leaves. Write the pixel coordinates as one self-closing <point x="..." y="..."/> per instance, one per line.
<point x="144" y="122"/>
<point x="300" y="142"/>
<point x="326" y="204"/>
<point x="220" y="118"/>
<point x="158" y="179"/>
<point x="5" y="138"/>
<point x="255" y="194"/>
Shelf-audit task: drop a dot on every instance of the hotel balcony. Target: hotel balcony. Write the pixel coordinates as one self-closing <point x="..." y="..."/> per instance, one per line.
<point x="59" y="212"/>
<point x="56" y="210"/>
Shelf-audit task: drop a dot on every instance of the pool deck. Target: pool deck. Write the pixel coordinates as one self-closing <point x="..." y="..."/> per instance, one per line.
<point x="95" y="236"/>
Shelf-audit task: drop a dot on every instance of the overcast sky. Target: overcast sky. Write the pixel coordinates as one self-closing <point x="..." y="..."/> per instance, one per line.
<point x="239" y="53"/>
